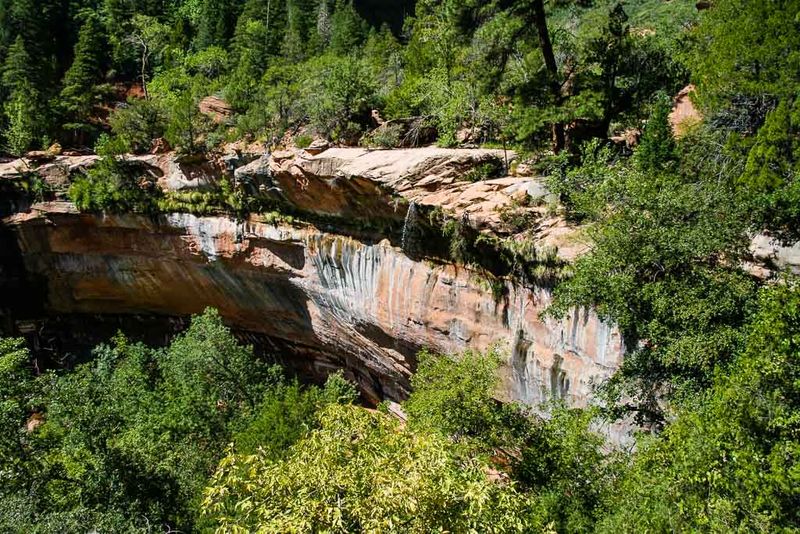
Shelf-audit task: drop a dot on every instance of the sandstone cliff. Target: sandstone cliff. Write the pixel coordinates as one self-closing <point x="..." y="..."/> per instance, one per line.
<point x="328" y="299"/>
<point x="338" y="301"/>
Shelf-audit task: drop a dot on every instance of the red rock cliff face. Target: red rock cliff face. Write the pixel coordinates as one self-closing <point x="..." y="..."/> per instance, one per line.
<point x="365" y="306"/>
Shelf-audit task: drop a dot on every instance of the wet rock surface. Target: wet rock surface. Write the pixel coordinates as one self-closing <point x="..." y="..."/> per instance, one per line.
<point x="326" y="301"/>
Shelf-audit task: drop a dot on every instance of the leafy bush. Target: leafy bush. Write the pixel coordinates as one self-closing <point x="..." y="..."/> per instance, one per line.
<point x="131" y="438"/>
<point x="138" y="123"/>
<point x="113" y="185"/>
<point x="385" y="136"/>
<point x="303" y="141"/>
<point x="287" y="414"/>
<point x="362" y="472"/>
<point x="484" y="171"/>
<point x="569" y="468"/>
<point x="454" y="395"/>
<point x="662" y="243"/>
<point x="341" y="97"/>
<point x="729" y="461"/>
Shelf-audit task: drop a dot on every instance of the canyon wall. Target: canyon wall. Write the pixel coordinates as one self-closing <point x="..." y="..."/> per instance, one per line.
<point x="332" y="292"/>
<point x="332" y="301"/>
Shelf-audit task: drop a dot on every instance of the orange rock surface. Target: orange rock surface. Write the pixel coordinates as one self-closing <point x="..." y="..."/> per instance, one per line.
<point x="366" y="306"/>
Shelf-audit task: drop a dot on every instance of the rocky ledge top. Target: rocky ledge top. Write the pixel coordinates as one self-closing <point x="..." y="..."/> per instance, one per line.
<point x="355" y="184"/>
<point x="361" y="183"/>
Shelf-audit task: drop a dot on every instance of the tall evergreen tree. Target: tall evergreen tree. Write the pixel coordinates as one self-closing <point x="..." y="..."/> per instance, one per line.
<point x="217" y="22"/>
<point x="44" y="27"/>
<point x="300" y="23"/>
<point x="348" y="29"/>
<point x="22" y="108"/>
<point x="272" y="16"/>
<point x="5" y="26"/>
<point x="17" y="67"/>
<point x="79" y="93"/>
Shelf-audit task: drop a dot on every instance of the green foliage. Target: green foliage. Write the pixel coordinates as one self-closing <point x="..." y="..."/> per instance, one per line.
<point x="777" y="146"/>
<point x="656" y="148"/>
<point x="387" y="136"/>
<point x="277" y="103"/>
<point x="454" y="396"/>
<point x="287" y="413"/>
<point x="461" y="239"/>
<point x="114" y="185"/>
<point x="320" y="62"/>
<point x="484" y="171"/>
<point x="747" y="47"/>
<point x="771" y="175"/>
<point x="22" y="129"/>
<point x="730" y="459"/>
<point x="131" y="438"/>
<point x="184" y="123"/>
<point x="216" y="22"/>
<point x="23" y="100"/>
<point x="137" y="124"/>
<point x="587" y="189"/>
<point x="341" y="98"/>
<point x="569" y="469"/>
<point x="303" y="141"/>
<point x="78" y="97"/>
<point x="348" y="29"/>
<point x="361" y="472"/>
<point x="16" y="385"/>
<point x="662" y="267"/>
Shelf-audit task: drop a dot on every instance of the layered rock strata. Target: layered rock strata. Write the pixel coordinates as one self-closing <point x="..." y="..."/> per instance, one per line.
<point x="331" y="299"/>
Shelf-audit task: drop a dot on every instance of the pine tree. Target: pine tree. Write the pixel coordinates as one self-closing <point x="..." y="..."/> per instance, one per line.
<point x="79" y="92"/>
<point x="300" y="22"/>
<point x="771" y="161"/>
<point x="6" y="36"/>
<point x="44" y="28"/>
<point x="657" y="147"/>
<point x="272" y="15"/>
<point x="217" y="22"/>
<point x="22" y="109"/>
<point x="17" y="68"/>
<point x="259" y="38"/>
<point x="348" y="29"/>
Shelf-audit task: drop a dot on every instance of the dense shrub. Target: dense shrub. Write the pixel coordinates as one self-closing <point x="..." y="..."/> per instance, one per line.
<point x="131" y="438"/>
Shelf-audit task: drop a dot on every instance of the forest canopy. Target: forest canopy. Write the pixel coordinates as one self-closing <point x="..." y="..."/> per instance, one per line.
<point x="482" y="71"/>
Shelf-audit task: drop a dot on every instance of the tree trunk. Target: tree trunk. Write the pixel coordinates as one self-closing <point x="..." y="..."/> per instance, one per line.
<point x="540" y="20"/>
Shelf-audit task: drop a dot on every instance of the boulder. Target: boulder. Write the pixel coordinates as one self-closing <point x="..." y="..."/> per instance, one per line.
<point x="684" y="114"/>
<point x="317" y="147"/>
<point x="770" y="251"/>
<point x="257" y="171"/>
<point x="216" y="108"/>
<point x="39" y="156"/>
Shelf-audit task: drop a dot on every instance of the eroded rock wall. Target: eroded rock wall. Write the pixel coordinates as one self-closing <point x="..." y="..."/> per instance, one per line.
<point x="331" y="299"/>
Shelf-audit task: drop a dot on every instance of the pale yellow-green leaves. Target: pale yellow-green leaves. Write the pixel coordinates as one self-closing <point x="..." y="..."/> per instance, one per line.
<point x="362" y="472"/>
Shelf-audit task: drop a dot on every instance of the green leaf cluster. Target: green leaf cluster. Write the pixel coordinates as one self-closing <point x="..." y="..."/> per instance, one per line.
<point x="130" y="439"/>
